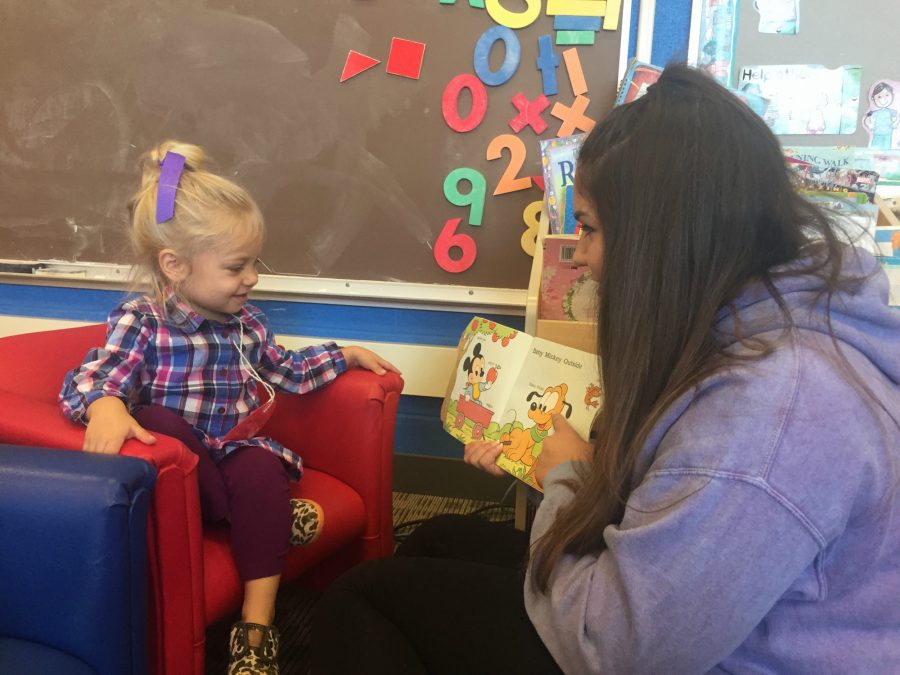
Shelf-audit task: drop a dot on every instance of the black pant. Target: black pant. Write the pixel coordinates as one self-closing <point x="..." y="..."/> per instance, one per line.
<point x="450" y="601"/>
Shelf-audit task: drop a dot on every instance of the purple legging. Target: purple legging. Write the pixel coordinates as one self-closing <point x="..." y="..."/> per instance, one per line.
<point x="249" y="487"/>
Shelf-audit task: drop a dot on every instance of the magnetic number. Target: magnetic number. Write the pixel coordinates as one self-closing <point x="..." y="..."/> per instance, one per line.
<point x="516" y="146"/>
<point x="531" y="216"/>
<point x="483" y="55"/>
<point x="449" y="238"/>
<point x="450" y="102"/>
<point x="474" y="198"/>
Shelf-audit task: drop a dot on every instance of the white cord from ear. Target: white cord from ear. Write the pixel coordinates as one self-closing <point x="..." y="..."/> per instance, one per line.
<point x="245" y="362"/>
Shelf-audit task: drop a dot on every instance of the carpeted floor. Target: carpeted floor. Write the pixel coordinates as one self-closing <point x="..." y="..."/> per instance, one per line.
<point x="295" y="603"/>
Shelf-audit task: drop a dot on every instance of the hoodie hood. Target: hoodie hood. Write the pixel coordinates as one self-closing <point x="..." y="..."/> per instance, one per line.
<point x="860" y="314"/>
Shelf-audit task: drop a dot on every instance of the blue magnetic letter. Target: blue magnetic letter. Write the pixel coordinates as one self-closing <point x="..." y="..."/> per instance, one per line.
<point x="547" y="62"/>
<point x="567" y="169"/>
<point x="483" y="54"/>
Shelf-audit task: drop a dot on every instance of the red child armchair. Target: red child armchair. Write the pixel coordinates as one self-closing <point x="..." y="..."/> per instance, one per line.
<point x="344" y="432"/>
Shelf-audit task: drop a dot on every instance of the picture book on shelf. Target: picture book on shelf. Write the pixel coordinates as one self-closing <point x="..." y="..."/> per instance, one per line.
<point x="558" y="159"/>
<point x="567" y="290"/>
<point x="638" y="77"/>
<point x="507" y="385"/>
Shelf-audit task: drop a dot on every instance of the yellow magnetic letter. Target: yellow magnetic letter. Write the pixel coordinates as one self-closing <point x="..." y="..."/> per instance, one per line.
<point x="513" y="19"/>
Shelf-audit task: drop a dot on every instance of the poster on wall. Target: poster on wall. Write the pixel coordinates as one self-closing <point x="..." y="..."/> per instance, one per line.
<point x="805" y="99"/>
<point x="882" y="118"/>
<point x="713" y="34"/>
<point x="780" y="17"/>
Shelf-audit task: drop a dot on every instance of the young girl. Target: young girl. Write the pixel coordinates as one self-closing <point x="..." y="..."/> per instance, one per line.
<point x="739" y="510"/>
<point x="192" y="359"/>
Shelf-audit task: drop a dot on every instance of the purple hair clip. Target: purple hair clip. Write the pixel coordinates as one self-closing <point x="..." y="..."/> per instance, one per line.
<point x="169" y="176"/>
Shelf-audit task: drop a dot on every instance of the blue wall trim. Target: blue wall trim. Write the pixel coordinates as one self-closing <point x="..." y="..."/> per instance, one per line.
<point x="380" y="324"/>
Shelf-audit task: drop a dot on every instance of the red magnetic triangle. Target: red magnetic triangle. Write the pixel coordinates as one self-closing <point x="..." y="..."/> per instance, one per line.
<point x="357" y="63"/>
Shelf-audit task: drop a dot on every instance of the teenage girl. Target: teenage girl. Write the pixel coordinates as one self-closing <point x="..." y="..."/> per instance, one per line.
<point x="739" y="510"/>
<point x="193" y="360"/>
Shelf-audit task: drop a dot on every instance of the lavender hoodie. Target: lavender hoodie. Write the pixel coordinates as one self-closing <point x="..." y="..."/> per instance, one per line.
<point x="764" y="532"/>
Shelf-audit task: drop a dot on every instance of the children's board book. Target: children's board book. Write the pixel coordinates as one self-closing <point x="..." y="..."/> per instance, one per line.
<point x="507" y="385"/>
<point x="558" y="159"/>
<point x="638" y="77"/>
<point x="567" y="290"/>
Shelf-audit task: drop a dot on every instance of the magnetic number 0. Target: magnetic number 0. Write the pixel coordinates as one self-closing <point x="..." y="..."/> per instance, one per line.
<point x="450" y="102"/>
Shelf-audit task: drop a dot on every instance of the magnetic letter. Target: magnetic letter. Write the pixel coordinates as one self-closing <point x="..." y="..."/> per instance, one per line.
<point x="547" y="62"/>
<point x="573" y="118"/>
<point x="513" y="19"/>
<point x="529" y="113"/>
<point x="576" y="74"/>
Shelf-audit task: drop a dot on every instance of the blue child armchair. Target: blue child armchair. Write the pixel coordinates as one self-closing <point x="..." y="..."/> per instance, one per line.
<point x="73" y="562"/>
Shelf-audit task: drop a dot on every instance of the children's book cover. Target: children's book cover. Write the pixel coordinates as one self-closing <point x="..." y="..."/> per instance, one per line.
<point x="508" y="384"/>
<point x="638" y="77"/>
<point x="866" y="162"/>
<point x="567" y="290"/>
<point x="559" y="157"/>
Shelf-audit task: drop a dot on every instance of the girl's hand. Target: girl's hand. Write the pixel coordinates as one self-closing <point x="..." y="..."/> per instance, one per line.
<point x="484" y="454"/>
<point x="563" y="445"/>
<point x="365" y="358"/>
<point x="110" y="425"/>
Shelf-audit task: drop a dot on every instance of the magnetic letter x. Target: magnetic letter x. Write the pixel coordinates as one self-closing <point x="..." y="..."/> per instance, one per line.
<point x="529" y="113"/>
<point x="573" y="118"/>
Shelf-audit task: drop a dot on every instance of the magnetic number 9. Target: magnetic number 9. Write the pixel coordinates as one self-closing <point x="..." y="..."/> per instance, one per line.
<point x="474" y="198"/>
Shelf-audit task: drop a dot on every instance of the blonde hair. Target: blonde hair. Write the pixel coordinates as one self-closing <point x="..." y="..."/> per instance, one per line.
<point x="209" y="210"/>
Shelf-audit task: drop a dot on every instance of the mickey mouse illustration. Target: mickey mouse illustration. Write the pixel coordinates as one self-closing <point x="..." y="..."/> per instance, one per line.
<point x="478" y="380"/>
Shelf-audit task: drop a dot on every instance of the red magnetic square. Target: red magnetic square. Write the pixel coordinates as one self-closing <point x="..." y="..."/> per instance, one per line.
<point x="405" y="58"/>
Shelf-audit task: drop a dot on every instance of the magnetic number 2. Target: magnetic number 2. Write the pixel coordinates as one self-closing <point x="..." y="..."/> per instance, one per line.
<point x="516" y="146"/>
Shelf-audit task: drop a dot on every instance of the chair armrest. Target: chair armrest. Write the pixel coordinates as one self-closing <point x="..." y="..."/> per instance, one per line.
<point x="346" y="429"/>
<point x="174" y="527"/>
<point x="73" y="545"/>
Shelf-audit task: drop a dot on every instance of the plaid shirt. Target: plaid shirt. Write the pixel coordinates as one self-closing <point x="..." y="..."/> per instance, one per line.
<point x="189" y="364"/>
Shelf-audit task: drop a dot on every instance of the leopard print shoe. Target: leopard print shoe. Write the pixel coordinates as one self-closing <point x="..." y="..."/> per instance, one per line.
<point x="248" y="660"/>
<point x="307" y="521"/>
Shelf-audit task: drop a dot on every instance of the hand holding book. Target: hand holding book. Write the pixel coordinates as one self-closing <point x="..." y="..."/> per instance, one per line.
<point x="562" y="445"/>
<point x="483" y="455"/>
<point x="506" y="388"/>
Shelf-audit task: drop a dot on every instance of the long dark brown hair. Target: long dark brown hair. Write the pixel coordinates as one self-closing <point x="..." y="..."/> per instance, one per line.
<point x="694" y="202"/>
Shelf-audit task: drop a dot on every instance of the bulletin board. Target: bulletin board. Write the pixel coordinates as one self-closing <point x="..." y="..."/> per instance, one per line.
<point x="349" y="175"/>
<point x="831" y="33"/>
